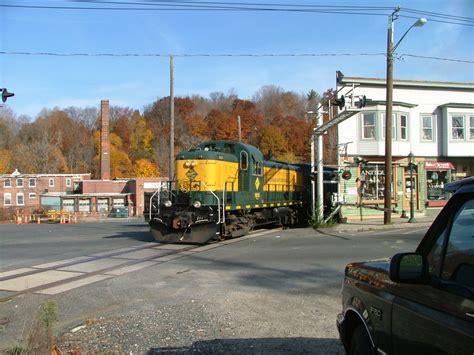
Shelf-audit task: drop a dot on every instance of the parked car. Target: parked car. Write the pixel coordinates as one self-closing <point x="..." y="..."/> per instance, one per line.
<point x="421" y="302"/>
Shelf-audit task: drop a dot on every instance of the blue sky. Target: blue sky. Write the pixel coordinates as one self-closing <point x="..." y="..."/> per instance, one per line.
<point x="46" y="81"/>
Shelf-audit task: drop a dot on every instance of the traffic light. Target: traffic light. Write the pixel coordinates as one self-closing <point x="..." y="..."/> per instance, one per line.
<point x="6" y="94"/>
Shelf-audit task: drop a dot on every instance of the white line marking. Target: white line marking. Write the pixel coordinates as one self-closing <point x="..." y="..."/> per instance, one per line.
<point x="95" y="265"/>
<point x="62" y="262"/>
<point x="131" y="268"/>
<point x="141" y="254"/>
<point x="115" y="251"/>
<point x="42" y="278"/>
<point x="73" y="284"/>
<point x="15" y="272"/>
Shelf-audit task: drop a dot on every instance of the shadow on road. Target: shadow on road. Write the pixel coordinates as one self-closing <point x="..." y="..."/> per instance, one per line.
<point x="144" y="236"/>
<point x="314" y="278"/>
<point x="257" y="346"/>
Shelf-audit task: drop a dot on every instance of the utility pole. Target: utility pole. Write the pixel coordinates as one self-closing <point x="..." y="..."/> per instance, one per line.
<point x="313" y="184"/>
<point x="239" y="129"/>
<point x="171" y="157"/>
<point x="387" y="217"/>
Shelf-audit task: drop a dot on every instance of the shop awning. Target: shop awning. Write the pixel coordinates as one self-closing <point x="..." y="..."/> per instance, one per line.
<point x="438" y="165"/>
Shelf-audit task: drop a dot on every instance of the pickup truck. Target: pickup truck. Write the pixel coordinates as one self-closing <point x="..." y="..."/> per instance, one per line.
<point x="420" y="302"/>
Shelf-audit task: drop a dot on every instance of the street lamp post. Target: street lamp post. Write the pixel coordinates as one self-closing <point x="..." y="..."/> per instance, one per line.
<point x="411" y="166"/>
<point x="388" y="111"/>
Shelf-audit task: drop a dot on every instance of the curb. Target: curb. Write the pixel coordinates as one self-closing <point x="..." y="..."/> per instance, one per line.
<point x="365" y="228"/>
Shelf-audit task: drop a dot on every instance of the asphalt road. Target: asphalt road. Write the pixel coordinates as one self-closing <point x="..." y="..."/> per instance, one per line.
<point x="273" y="293"/>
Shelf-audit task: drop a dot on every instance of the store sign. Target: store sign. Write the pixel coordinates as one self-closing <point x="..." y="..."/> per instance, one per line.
<point x="439" y="166"/>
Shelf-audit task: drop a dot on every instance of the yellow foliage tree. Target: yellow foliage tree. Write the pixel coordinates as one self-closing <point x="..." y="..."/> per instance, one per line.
<point x="5" y="160"/>
<point x="120" y="163"/>
<point x="145" y="168"/>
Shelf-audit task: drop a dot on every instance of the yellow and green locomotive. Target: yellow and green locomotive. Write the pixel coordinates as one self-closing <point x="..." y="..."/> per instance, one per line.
<point x="223" y="189"/>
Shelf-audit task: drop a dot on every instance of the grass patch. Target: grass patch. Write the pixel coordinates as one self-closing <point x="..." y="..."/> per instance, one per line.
<point x="40" y="339"/>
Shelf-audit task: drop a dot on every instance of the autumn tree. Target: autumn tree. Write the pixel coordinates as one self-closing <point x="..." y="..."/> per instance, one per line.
<point x="222" y="102"/>
<point x="145" y="168"/>
<point x="87" y="117"/>
<point x="141" y="139"/>
<point x="273" y="101"/>
<point x="5" y="161"/>
<point x="271" y="139"/>
<point x="251" y="120"/>
<point x="8" y="127"/>
<point x="222" y="125"/>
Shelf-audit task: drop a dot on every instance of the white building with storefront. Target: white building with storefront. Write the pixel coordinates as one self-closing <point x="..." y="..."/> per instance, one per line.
<point x="433" y="120"/>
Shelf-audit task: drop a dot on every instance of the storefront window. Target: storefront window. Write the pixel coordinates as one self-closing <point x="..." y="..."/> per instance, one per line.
<point x="372" y="179"/>
<point x="435" y="181"/>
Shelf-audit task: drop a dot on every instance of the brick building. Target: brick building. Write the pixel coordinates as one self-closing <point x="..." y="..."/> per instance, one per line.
<point x="30" y="192"/>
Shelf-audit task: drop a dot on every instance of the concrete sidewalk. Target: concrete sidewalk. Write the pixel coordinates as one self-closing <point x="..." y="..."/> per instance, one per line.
<point x="354" y="226"/>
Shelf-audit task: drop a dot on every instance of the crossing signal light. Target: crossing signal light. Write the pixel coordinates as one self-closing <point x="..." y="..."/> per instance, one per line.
<point x="346" y="175"/>
<point x="362" y="101"/>
<point x="340" y="102"/>
<point x="6" y="94"/>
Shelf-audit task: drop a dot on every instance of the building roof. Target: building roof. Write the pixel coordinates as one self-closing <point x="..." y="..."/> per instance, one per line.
<point x="342" y="79"/>
<point x="395" y="103"/>
<point x="457" y="105"/>
<point x="23" y="175"/>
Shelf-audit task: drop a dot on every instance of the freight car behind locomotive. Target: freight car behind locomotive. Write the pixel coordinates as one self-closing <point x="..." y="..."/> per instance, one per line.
<point x="223" y="189"/>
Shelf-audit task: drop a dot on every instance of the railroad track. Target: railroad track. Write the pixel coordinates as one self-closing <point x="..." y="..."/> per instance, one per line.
<point x="64" y="275"/>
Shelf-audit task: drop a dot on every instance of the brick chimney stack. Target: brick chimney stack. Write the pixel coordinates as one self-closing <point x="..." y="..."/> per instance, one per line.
<point x="104" y="141"/>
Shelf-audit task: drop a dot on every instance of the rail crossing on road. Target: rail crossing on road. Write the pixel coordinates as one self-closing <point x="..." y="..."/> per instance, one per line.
<point x="60" y="276"/>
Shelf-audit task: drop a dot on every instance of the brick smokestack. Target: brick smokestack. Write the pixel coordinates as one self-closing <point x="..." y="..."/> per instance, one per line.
<point x="104" y="141"/>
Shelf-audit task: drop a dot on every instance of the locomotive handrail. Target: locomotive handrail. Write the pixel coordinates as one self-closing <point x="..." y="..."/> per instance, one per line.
<point x="151" y="203"/>
<point x="218" y="203"/>
<point x="224" y="197"/>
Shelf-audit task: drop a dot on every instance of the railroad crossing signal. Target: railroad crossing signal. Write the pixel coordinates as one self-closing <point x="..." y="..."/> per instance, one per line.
<point x="6" y="94"/>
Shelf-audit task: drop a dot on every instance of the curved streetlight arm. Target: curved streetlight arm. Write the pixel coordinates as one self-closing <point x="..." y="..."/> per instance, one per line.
<point x="421" y="22"/>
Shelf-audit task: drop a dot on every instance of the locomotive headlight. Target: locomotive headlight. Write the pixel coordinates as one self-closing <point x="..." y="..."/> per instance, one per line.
<point x="187" y="164"/>
<point x="168" y="203"/>
<point x="193" y="163"/>
<point x="197" y="204"/>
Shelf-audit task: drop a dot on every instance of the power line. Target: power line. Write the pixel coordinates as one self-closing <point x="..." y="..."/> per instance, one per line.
<point x="237" y="55"/>
<point x="440" y="21"/>
<point x="256" y="55"/>
<point x="193" y="8"/>
<point x="220" y="3"/>
<point x="240" y="6"/>
<point x="437" y="58"/>
<point x="436" y="14"/>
